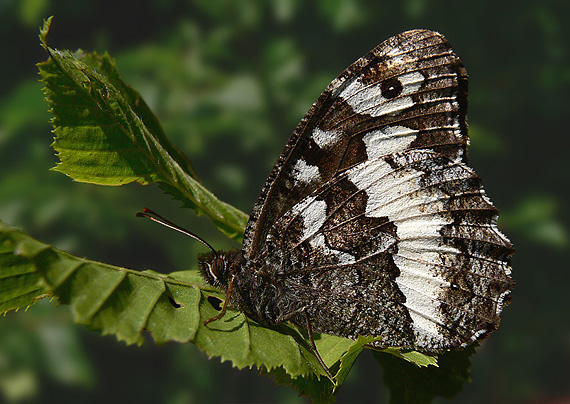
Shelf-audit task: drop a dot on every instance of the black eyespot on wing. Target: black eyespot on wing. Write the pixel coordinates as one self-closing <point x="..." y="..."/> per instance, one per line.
<point x="391" y="88"/>
<point x="215" y="302"/>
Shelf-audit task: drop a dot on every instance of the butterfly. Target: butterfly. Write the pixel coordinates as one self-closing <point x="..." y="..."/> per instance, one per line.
<point x="371" y="222"/>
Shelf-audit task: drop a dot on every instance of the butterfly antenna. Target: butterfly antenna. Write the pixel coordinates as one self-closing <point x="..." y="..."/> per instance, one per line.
<point x="155" y="217"/>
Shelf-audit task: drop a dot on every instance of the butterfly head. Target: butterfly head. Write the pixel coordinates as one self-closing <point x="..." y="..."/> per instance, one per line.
<point x="217" y="267"/>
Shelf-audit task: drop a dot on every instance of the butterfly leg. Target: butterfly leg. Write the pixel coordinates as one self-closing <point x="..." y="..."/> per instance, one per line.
<point x="314" y="347"/>
<point x="224" y="307"/>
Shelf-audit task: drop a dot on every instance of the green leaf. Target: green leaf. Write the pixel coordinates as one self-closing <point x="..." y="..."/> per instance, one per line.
<point x="320" y="390"/>
<point x="339" y="354"/>
<point x="20" y="284"/>
<point x="348" y="359"/>
<point x="412" y="384"/>
<point x="106" y="134"/>
<point x="417" y="358"/>
<point x="125" y="303"/>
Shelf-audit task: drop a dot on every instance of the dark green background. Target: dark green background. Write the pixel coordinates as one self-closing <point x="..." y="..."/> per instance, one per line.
<point x="229" y="80"/>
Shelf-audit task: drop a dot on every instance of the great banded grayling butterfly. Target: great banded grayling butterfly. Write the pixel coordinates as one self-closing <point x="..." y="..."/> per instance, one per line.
<point x="370" y="222"/>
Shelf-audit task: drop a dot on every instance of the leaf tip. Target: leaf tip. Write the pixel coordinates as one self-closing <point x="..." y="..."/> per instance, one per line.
<point x="44" y="31"/>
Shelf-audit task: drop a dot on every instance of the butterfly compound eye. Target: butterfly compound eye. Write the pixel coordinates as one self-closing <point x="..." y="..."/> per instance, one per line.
<point x="391" y="88"/>
<point x="216" y="272"/>
<point x="212" y="271"/>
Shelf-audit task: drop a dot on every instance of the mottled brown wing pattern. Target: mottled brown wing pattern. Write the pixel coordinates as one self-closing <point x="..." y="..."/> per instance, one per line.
<point x="371" y="222"/>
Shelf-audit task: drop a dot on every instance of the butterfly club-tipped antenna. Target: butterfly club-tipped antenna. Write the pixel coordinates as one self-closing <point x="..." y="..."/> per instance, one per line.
<point x="155" y="217"/>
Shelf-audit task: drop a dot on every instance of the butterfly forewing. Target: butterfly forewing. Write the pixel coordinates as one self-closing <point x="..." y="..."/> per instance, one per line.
<point x="370" y="221"/>
<point x="353" y="118"/>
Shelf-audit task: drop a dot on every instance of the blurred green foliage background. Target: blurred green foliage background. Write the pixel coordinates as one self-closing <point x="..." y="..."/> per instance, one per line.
<point x="229" y="81"/>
